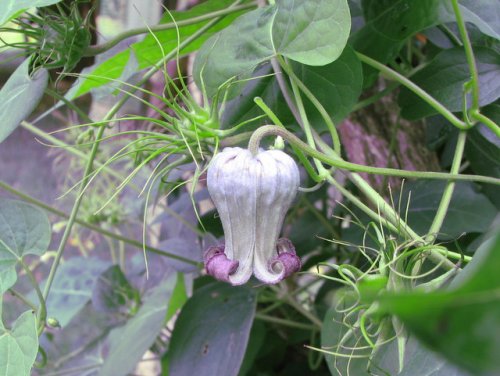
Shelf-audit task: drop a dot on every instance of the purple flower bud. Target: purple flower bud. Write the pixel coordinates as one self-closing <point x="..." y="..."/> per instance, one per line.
<point x="252" y="195"/>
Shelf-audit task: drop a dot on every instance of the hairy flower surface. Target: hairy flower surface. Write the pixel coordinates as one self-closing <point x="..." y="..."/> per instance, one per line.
<point x="252" y="194"/>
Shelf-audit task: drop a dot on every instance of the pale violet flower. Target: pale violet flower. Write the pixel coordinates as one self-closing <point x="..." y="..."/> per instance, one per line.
<point x="252" y="195"/>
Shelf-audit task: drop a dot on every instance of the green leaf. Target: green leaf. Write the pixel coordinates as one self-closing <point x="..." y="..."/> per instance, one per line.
<point x="390" y="23"/>
<point x="444" y="78"/>
<point x="483" y="152"/>
<point x="18" y="346"/>
<point x="337" y="86"/>
<point x="483" y="14"/>
<point x="24" y="230"/>
<point x="469" y="210"/>
<point x="127" y="344"/>
<point x="289" y="28"/>
<point x="418" y="360"/>
<point x="73" y="286"/>
<point x="211" y="333"/>
<point x="12" y="8"/>
<point x="8" y="278"/>
<point x="20" y="96"/>
<point x="463" y="324"/>
<point x="147" y="52"/>
<point x="112" y="293"/>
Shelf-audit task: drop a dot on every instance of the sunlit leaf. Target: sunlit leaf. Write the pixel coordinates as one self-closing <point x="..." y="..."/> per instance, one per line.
<point x="289" y="28"/>
<point x="11" y="8"/>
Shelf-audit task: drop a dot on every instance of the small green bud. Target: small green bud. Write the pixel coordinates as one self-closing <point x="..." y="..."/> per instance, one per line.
<point x="53" y="322"/>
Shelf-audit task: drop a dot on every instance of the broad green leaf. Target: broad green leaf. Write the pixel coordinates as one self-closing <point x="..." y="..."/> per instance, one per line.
<point x="112" y="293"/>
<point x="463" y="324"/>
<point x="289" y="28"/>
<point x="337" y="86"/>
<point x="12" y="8"/>
<point x="469" y="210"/>
<point x="484" y="14"/>
<point x="8" y="278"/>
<point x="24" y="230"/>
<point x="418" y="360"/>
<point x="148" y="52"/>
<point x="18" y="346"/>
<point x="390" y="23"/>
<point x="20" y="96"/>
<point x="444" y="78"/>
<point x="211" y="333"/>
<point x="72" y="287"/>
<point x="127" y="344"/>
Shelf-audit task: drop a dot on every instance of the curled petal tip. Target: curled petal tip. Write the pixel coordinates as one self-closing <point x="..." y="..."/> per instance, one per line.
<point x="218" y="265"/>
<point x="286" y="260"/>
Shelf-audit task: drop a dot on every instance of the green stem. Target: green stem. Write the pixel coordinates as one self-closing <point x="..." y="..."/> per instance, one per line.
<point x="336" y="161"/>
<point x="42" y="310"/>
<point x="100" y="48"/>
<point x="448" y="190"/>
<point x="375" y="97"/>
<point x="89" y="167"/>
<point x="304" y="312"/>
<point x="324" y="114"/>
<point x="416" y="89"/>
<point x="471" y="61"/>
<point x="24" y="299"/>
<point x="285" y="322"/>
<point x="55" y="141"/>
<point x="306" y="125"/>
<point x="486" y="121"/>
<point x="92" y="227"/>
<point x="74" y="212"/>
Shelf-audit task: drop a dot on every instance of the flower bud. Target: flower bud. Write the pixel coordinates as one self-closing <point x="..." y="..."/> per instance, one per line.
<point x="252" y="195"/>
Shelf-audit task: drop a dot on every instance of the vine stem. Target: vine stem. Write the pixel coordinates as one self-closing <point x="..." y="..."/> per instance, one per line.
<point x="486" y="121"/>
<point x="55" y="141"/>
<point x="448" y="190"/>
<point x="434" y="103"/>
<point x="100" y="48"/>
<point x="92" y="227"/>
<point x="42" y="310"/>
<point x="89" y="166"/>
<point x="335" y="161"/>
<point x="284" y="322"/>
<point x="469" y="54"/>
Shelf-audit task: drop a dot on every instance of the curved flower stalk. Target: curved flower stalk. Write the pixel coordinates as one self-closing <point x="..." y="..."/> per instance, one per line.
<point x="252" y="194"/>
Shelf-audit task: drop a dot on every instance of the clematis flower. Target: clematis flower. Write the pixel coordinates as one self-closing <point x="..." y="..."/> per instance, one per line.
<point x="252" y="194"/>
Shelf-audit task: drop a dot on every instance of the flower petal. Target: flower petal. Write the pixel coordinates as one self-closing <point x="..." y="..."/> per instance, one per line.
<point x="278" y="185"/>
<point x="218" y="265"/>
<point x="231" y="185"/>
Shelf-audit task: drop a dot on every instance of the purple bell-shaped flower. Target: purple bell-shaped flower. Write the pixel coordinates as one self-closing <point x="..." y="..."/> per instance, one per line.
<point x="252" y="194"/>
